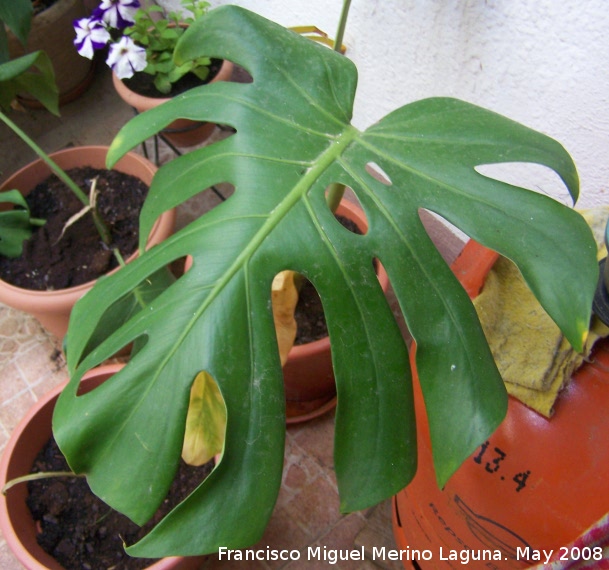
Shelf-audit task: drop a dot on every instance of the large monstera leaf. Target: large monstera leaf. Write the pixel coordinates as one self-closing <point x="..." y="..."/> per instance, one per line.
<point x="293" y="139"/>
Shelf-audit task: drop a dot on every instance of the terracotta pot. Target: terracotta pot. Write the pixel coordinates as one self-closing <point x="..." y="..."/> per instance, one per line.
<point x="52" y="31"/>
<point x="182" y="132"/>
<point x="28" y="438"/>
<point x="52" y="308"/>
<point x="308" y="374"/>
<point x="536" y="482"/>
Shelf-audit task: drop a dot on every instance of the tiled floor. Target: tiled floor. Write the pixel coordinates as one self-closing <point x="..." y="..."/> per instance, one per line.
<point x="31" y="363"/>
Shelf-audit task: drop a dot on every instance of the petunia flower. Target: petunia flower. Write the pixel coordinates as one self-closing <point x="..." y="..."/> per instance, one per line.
<point x="126" y="57"/>
<point x="91" y="34"/>
<point x="117" y="13"/>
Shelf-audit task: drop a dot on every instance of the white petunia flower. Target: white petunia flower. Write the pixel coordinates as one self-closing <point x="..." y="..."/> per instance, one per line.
<point x="91" y="34"/>
<point x="117" y="13"/>
<point x="126" y="57"/>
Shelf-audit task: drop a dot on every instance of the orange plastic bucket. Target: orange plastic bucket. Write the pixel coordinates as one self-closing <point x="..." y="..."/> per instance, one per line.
<point x="534" y="486"/>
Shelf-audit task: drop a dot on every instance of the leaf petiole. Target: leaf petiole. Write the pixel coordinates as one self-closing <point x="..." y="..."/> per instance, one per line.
<point x="37" y="476"/>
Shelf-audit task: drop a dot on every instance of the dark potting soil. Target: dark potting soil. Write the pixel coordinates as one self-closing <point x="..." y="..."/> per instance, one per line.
<point x="79" y="530"/>
<point x="51" y="261"/>
<point x="309" y="314"/>
<point x="143" y="83"/>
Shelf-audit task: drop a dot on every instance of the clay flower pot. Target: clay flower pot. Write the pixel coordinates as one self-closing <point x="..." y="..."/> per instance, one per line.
<point x="28" y="438"/>
<point x="52" y="308"/>
<point x="53" y="32"/>
<point x="182" y="132"/>
<point x="308" y="375"/>
<point x="535" y="483"/>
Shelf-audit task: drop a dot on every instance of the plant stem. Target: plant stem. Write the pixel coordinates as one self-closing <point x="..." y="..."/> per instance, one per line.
<point x="102" y="229"/>
<point x="36" y="476"/>
<point x="99" y="224"/>
<point x="119" y="257"/>
<point x="336" y="191"/>
<point x="342" y="24"/>
<point x="47" y="159"/>
<point x="136" y="292"/>
<point x="335" y="195"/>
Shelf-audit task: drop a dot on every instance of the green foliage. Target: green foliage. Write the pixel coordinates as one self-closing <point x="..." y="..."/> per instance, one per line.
<point x="17" y="16"/>
<point x="159" y="37"/>
<point x="16" y="224"/>
<point x="293" y="139"/>
<point x="31" y="73"/>
<point x="17" y="75"/>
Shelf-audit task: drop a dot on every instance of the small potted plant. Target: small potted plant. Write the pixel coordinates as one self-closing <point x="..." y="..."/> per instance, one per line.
<point x="294" y="140"/>
<point x="50" y="297"/>
<point x="63" y="544"/>
<point x="50" y="304"/>
<point x="141" y="43"/>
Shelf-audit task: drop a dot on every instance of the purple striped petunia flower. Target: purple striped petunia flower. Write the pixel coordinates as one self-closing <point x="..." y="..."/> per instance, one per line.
<point x="117" y="13"/>
<point x="91" y="34"/>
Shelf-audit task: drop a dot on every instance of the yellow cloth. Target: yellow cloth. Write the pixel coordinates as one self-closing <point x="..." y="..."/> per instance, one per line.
<point x="533" y="357"/>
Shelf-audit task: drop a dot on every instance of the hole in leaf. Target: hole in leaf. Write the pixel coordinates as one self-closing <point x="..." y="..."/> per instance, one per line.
<point x="378" y="173"/>
<point x="350" y="224"/>
<point x="534" y="177"/>
<point x="347" y="221"/>
<point x="297" y="312"/>
<point x="309" y="315"/>
<point x="178" y="267"/>
<point x="119" y="312"/>
<point x="375" y="265"/>
<point x="447" y="238"/>
<point x="205" y="429"/>
<point x="89" y="385"/>
<point x="241" y="75"/>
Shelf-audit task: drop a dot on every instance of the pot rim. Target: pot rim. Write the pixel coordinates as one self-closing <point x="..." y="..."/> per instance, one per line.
<point x="141" y="102"/>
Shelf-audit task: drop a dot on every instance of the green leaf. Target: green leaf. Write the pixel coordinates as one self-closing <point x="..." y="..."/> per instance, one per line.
<point x="16" y="76"/>
<point x="293" y="139"/>
<point x="162" y="83"/>
<point x="200" y="68"/>
<point x="17" y="15"/>
<point x="171" y="33"/>
<point x="164" y="66"/>
<point x="120" y="312"/>
<point x="175" y="73"/>
<point x="4" y="54"/>
<point x="15" y="224"/>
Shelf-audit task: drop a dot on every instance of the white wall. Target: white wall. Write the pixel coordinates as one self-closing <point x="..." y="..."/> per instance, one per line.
<point x="544" y="63"/>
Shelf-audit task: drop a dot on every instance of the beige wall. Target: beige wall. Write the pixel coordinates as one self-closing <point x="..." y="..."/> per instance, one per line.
<point x="544" y="63"/>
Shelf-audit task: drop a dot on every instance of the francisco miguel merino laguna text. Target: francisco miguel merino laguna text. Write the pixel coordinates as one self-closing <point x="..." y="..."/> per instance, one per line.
<point x="330" y="555"/>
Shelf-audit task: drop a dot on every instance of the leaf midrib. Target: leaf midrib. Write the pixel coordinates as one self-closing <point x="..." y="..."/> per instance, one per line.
<point x="325" y="160"/>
